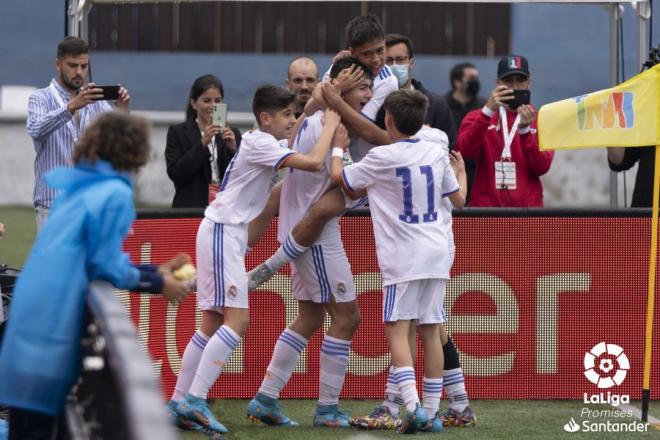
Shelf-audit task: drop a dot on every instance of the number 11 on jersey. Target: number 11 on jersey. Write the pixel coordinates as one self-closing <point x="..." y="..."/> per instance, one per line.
<point x="408" y="215"/>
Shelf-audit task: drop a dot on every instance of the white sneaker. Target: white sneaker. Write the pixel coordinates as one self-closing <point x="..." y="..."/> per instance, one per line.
<point x="259" y="275"/>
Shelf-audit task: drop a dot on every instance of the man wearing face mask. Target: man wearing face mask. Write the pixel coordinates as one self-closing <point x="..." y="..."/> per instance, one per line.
<point x="462" y="99"/>
<point x="58" y="115"/>
<point x="502" y="137"/>
<point x="464" y="94"/>
<point x="400" y="60"/>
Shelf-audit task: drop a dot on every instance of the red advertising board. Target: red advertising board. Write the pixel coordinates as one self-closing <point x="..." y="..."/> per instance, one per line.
<point x="528" y="298"/>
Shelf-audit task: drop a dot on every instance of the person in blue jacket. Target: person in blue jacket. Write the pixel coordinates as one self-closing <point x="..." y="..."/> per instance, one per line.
<point x="81" y="241"/>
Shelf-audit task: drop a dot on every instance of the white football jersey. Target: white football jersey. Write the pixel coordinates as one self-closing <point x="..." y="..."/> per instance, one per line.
<point x="434" y="135"/>
<point x="384" y="83"/>
<point x="301" y="189"/>
<point x="249" y="179"/>
<point x="406" y="182"/>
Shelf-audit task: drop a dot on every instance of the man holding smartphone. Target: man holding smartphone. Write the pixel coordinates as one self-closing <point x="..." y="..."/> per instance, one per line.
<point x="502" y="136"/>
<point x="59" y="113"/>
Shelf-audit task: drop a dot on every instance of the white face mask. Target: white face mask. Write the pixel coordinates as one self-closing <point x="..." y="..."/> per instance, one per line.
<point x="402" y="73"/>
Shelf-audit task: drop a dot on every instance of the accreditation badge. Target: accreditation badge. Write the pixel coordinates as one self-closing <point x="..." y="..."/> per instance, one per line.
<point x="505" y="175"/>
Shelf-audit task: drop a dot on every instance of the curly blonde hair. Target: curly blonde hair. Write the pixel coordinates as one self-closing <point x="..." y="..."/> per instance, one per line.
<point x="118" y="138"/>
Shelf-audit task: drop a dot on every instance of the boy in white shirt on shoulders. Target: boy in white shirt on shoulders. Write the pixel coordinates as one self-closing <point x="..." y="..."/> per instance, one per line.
<point x="365" y="38"/>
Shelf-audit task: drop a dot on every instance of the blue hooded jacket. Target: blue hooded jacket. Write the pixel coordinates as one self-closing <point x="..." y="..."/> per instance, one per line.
<point x="81" y="241"/>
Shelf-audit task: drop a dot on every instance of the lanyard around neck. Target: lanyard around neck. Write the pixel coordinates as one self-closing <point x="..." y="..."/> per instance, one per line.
<point x="508" y="135"/>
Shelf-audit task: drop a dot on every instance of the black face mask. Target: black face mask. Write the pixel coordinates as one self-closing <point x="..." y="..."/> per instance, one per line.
<point x="472" y="87"/>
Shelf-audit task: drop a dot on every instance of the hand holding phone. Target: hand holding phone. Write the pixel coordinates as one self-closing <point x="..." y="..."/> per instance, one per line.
<point x="520" y="97"/>
<point x="85" y="96"/>
<point x="220" y="115"/>
<point x="110" y="93"/>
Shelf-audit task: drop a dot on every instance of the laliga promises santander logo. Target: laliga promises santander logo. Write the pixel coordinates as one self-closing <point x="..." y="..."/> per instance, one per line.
<point x="601" y="361"/>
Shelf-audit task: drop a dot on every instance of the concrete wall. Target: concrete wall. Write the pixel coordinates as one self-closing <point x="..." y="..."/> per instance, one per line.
<point x="576" y="178"/>
<point x="152" y="186"/>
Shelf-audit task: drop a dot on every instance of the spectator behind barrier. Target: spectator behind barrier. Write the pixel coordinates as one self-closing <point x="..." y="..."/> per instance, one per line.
<point x="81" y="242"/>
<point x="622" y="159"/>
<point x="399" y="58"/>
<point x="503" y="138"/>
<point x="59" y="114"/>
<point x="462" y="99"/>
<point x="198" y="153"/>
<point x="302" y="77"/>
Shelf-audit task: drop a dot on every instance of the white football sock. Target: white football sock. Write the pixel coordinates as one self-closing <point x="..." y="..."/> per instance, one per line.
<point x="285" y="358"/>
<point x="431" y="394"/>
<point x="286" y="253"/>
<point x="189" y="363"/>
<point x="333" y="363"/>
<point x="216" y="354"/>
<point x="404" y="377"/>
<point x="455" y="389"/>
<point x="393" y="400"/>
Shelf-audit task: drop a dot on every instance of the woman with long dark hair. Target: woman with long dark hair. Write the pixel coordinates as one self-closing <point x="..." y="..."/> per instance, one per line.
<point x="197" y="152"/>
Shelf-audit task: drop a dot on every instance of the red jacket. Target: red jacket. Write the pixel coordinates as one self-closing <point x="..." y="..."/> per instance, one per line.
<point x="480" y="138"/>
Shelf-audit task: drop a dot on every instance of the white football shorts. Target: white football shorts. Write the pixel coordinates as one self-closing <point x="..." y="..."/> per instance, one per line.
<point x="221" y="276"/>
<point x="323" y="274"/>
<point x="422" y="300"/>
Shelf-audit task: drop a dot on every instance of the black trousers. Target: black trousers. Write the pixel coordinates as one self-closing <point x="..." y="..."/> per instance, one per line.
<point x="32" y="425"/>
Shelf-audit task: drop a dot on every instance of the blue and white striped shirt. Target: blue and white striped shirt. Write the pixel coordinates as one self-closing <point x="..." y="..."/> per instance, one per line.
<point x="54" y="134"/>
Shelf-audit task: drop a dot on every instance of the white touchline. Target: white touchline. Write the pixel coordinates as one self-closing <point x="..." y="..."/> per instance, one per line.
<point x="655" y="423"/>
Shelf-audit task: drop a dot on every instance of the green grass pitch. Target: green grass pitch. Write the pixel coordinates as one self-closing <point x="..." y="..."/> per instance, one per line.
<point x="496" y="419"/>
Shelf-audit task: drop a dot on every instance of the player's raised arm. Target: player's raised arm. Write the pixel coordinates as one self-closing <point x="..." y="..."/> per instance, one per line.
<point x="362" y="125"/>
<point x="296" y="129"/>
<point x="339" y="145"/>
<point x="361" y="173"/>
<point x="315" y="160"/>
<point x="457" y="199"/>
<point x="316" y="102"/>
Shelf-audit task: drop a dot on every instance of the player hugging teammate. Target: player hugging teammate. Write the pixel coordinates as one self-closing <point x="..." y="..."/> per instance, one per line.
<point x="412" y="182"/>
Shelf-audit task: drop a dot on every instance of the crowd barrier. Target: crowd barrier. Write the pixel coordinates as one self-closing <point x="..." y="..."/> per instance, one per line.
<point x="532" y="291"/>
<point x="115" y="396"/>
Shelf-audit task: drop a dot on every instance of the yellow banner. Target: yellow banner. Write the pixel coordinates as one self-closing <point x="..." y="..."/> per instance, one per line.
<point x="623" y="116"/>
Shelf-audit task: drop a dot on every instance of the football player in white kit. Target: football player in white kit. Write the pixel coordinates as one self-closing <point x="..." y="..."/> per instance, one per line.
<point x="459" y="412"/>
<point x="222" y="292"/>
<point x="321" y="280"/>
<point x="366" y="41"/>
<point x="406" y="182"/>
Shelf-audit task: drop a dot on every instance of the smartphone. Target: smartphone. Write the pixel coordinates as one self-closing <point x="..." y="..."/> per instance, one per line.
<point x="520" y="97"/>
<point x="220" y="115"/>
<point x="110" y="93"/>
